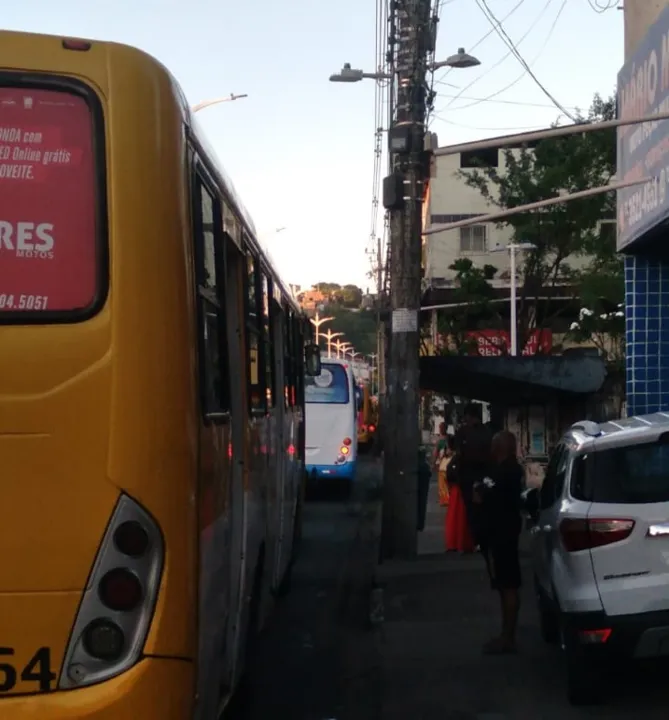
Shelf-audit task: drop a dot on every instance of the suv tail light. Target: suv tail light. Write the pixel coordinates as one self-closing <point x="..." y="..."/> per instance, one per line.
<point x="115" y="613"/>
<point x="586" y="534"/>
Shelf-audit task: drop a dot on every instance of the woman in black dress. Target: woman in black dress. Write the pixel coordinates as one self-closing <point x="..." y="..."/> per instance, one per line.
<point x="499" y="499"/>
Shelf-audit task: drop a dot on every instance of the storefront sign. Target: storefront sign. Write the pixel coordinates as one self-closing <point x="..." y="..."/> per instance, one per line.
<point x="498" y="342"/>
<point x="643" y="150"/>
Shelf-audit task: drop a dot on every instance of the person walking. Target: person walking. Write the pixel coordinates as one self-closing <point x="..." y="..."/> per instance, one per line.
<point x="442" y="456"/>
<point x="498" y="498"/>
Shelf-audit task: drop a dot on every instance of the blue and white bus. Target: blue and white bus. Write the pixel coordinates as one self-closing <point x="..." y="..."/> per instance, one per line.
<point x="331" y="422"/>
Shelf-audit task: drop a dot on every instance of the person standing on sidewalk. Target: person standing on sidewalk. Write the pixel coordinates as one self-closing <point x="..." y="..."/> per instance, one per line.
<point x="442" y="455"/>
<point x="472" y="448"/>
<point x="498" y="497"/>
<point x="457" y="533"/>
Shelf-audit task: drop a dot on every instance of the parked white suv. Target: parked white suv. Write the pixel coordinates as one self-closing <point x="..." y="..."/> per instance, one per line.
<point x="600" y="543"/>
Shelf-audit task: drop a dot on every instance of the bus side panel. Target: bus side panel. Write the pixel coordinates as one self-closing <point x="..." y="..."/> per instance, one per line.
<point x="153" y="445"/>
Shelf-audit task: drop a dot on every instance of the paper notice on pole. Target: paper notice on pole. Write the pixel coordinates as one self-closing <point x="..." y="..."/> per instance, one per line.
<point x="405" y="320"/>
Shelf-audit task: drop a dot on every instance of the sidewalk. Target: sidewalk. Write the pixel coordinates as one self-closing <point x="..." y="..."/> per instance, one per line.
<point x="439" y="611"/>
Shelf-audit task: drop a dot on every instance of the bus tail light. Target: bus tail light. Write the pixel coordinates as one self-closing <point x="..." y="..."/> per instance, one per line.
<point x="347" y="441"/>
<point x="116" y="608"/>
<point x="344" y="450"/>
<point x="372" y="428"/>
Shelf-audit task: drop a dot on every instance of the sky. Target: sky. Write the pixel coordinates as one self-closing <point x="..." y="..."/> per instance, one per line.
<point x="300" y="150"/>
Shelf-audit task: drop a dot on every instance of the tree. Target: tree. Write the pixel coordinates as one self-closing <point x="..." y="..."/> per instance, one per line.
<point x="561" y="233"/>
<point x="351" y="296"/>
<point x="327" y="288"/>
<point x="471" y="306"/>
<point x="359" y="328"/>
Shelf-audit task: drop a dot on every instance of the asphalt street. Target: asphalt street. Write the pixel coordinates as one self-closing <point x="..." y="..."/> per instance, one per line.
<point x="298" y="673"/>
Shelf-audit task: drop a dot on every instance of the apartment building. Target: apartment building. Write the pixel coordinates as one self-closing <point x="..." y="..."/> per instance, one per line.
<point x="451" y="200"/>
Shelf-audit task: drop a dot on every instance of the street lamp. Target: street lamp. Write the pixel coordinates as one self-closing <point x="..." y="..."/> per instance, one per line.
<point x="317" y="322"/>
<point x="460" y="60"/>
<point x="329" y="337"/>
<point x="217" y="101"/>
<point x="512" y="249"/>
<point x="350" y="75"/>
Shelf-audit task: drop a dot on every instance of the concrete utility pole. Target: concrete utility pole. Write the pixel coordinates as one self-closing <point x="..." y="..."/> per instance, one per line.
<point x="406" y="140"/>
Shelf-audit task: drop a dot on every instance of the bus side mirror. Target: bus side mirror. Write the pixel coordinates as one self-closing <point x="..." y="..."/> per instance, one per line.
<point x="312" y="360"/>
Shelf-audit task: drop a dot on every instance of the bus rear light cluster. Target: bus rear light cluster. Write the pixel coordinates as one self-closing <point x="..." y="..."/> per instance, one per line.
<point x="118" y="603"/>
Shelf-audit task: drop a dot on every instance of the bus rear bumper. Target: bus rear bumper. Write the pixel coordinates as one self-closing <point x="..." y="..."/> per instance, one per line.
<point x="345" y="471"/>
<point x="155" y="689"/>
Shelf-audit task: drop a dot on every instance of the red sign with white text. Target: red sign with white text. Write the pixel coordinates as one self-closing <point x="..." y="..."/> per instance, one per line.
<point x="47" y="201"/>
<point x="498" y="342"/>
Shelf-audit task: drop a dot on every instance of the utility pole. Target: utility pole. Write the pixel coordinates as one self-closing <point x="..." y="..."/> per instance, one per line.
<point x="403" y="196"/>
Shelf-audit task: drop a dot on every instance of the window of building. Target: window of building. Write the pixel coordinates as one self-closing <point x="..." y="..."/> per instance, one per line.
<point x="210" y="278"/>
<point x="473" y="239"/>
<point x="608" y="232"/>
<point x="488" y="157"/>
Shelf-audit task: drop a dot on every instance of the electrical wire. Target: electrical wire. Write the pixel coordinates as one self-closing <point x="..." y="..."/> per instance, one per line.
<point x="522" y="75"/>
<point x="481" y="40"/>
<point x="381" y="50"/>
<point x="601" y="9"/>
<point x="489" y="69"/>
<point x="490" y="16"/>
<point x="493" y="129"/>
<point x="521" y="103"/>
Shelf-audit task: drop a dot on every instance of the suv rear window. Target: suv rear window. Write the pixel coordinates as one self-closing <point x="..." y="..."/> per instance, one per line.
<point x="636" y="474"/>
<point x="48" y="201"/>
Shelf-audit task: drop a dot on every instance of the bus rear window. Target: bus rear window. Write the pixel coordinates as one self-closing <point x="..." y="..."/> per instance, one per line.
<point x="48" y="194"/>
<point x="330" y="387"/>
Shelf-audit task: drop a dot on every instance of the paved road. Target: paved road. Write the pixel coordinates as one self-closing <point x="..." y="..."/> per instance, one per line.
<point x="298" y="674"/>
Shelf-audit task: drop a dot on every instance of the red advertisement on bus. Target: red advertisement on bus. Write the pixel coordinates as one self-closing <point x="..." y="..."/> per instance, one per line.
<point x="47" y="201"/>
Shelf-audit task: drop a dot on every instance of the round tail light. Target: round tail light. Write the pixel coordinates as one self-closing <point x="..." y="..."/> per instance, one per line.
<point x="131" y="539"/>
<point x="104" y="640"/>
<point x="347" y="441"/>
<point x="120" y="590"/>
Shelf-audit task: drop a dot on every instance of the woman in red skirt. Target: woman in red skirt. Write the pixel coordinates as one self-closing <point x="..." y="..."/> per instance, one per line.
<point x="457" y="534"/>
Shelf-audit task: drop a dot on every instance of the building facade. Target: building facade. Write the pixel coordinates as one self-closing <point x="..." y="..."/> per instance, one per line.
<point x="452" y="200"/>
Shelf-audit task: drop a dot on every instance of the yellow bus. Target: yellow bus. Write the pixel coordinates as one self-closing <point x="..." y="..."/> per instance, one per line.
<point x="151" y="397"/>
<point x="367" y="419"/>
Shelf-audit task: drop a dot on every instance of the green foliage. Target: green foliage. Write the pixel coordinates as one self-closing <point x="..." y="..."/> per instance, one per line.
<point x="471" y="306"/>
<point x="349" y="296"/>
<point x="562" y="232"/>
<point x="358" y="326"/>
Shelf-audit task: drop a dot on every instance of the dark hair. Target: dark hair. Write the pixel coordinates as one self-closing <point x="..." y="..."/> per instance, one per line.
<point x="472" y="410"/>
<point x="504" y="446"/>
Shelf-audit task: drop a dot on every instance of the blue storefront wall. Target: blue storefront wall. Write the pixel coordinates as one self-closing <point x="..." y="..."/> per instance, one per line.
<point x="647" y="334"/>
<point x="643" y="151"/>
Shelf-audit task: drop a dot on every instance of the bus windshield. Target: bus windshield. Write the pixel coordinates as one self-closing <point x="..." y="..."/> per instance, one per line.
<point x="330" y="387"/>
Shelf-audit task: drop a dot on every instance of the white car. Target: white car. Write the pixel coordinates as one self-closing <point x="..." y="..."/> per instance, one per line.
<point x="600" y="544"/>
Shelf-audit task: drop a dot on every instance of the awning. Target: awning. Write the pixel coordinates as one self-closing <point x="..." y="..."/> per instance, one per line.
<point x="513" y="380"/>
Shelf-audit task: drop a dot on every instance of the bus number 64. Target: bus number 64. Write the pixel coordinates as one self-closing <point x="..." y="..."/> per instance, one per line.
<point x="38" y="670"/>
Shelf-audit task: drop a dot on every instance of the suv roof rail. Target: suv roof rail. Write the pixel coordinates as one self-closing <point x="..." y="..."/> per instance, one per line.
<point x="588" y="427"/>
